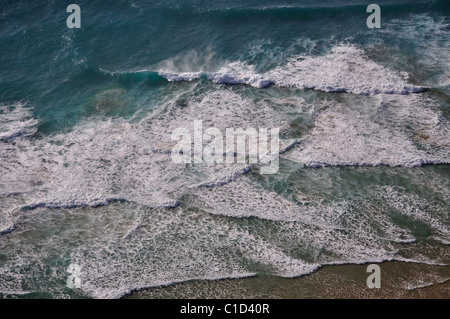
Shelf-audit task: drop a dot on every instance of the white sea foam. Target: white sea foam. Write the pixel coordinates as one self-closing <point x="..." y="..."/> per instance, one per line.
<point x="344" y="69"/>
<point x="123" y="247"/>
<point x="431" y="39"/>
<point x="122" y="251"/>
<point x="208" y="234"/>
<point x="425" y="284"/>
<point x="244" y="199"/>
<point x="6" y="228"/>
<point x="182" y="76"/>
<point x="394" y="131"/>
<point x="16" y="121"/>
<point x="434" y="216"/>
<point x="104" y="161"/>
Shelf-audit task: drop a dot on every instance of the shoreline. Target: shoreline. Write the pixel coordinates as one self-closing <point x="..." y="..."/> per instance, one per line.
<point x="399" y="280"/>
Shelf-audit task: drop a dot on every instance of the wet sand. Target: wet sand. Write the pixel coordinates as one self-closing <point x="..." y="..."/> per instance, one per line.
<point x="399" y="280"/>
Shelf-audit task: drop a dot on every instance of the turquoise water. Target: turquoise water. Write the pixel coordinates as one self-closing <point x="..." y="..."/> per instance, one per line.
<point x="86" y="117"/>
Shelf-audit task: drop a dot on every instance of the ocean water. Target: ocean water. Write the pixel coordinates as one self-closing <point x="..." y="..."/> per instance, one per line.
<point x="86" y="117"/>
